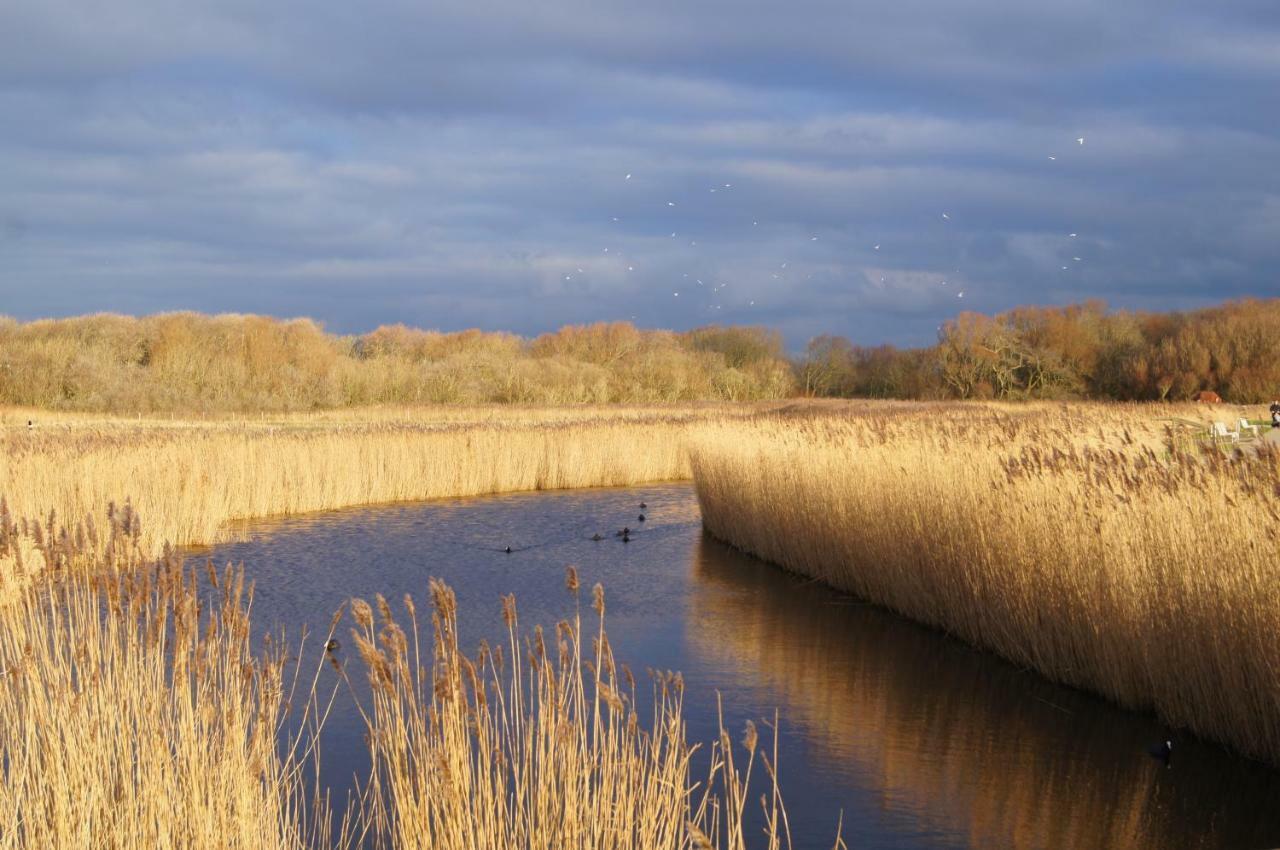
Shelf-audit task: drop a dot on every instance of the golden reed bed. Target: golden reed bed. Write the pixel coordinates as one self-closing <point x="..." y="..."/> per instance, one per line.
<point x="188" y="478"/>
<point x="1081" y="541"/>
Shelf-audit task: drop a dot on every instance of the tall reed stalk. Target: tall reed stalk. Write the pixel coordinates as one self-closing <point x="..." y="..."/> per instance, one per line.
<point x="540" y="743"/>
<point x="134" y="713"/>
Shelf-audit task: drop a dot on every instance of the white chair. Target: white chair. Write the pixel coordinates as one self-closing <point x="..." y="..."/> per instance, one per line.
<point x="1220" y="432"/>
<point x="1244" y="425"/>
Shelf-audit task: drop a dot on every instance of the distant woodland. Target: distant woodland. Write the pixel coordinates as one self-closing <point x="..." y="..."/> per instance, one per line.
<point x="187" y="362"/>
<point x="1077" y="351"/>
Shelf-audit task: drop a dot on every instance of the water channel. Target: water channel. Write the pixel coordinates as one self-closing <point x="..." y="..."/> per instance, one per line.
<point x="918" y="740"/>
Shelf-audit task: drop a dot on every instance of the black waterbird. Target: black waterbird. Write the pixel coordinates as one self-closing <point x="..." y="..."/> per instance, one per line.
<point x="1162" y="752"/>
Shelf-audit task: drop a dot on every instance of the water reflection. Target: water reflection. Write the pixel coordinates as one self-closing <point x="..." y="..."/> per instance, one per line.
<point x="968" y="744"/>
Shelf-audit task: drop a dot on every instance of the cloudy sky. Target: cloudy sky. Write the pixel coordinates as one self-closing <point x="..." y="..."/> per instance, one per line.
<point x="460" y="164"/>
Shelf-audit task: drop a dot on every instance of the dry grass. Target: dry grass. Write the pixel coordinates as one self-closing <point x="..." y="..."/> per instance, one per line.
<point x="1065" y="538"/>
<point x="540" y="743"/>
<point x="189" y="478"/>
<point x="135" y="714"/>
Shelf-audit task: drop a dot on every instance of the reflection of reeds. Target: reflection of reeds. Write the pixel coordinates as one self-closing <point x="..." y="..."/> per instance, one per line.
<point x="532" y="745"/>
<point x="134" y="713"/>
<point x="970" y="744"/>
<point x="189" y="479"/>
<point x="1073" y="544"/>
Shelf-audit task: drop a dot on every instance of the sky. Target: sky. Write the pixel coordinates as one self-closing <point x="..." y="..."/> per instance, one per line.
<point x="825" y="166"/>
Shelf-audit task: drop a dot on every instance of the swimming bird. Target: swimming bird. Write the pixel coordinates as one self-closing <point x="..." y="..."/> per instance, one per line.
<point x="596" y="537"/>
<point x="643" y="506"/>
<point x="623" y="533"/>
<point x="507" y="550"/>
<point x="641" y="518"/>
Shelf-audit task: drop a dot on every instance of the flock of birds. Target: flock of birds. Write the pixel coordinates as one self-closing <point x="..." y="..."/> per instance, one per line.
<point x="692" y="283"/>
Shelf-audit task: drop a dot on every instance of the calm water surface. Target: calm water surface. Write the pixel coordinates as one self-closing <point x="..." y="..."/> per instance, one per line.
<point x="917" y="739"/>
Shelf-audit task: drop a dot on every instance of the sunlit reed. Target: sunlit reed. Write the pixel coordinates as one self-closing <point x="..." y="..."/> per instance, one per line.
<point x="1087" y="542"/>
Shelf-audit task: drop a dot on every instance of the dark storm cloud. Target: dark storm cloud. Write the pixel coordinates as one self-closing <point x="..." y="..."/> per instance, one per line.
<point x="456" y="164"/>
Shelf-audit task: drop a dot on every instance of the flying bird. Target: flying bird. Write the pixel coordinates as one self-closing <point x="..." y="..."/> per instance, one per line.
<point x="944" y="215"/>
<point x="1080" y="140"/>
<point x="628" y="177"/>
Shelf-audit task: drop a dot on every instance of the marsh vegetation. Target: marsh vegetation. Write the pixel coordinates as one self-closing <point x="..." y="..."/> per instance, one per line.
<point x="1084" y="542"/>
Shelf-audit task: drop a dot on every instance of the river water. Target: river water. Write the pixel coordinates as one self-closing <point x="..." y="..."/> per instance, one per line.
<point x="915" y="739"/>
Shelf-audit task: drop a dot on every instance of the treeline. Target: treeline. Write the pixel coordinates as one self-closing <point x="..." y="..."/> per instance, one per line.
<point x="1078" y="351"/>
<point x="188" y="362"/>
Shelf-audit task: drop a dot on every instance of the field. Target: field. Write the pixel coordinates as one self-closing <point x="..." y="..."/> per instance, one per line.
<point x="186" y="479"/>
<point x="1092" y="543"/>
<point x="1108" y="547"/>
